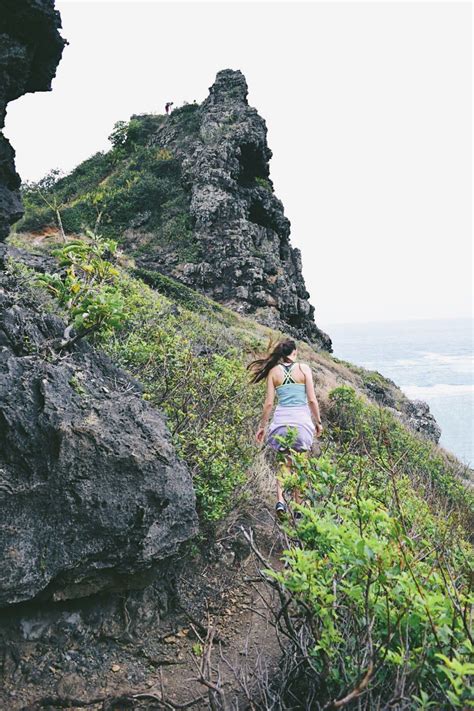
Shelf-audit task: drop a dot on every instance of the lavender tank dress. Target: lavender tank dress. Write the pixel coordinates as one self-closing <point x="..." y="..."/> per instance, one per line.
<point x="292" y="411"/>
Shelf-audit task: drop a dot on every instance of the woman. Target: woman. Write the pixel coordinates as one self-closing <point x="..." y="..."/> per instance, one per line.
<point x="293" y="384"/>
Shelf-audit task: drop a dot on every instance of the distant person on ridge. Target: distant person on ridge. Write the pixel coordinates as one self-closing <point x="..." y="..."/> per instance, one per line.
<point x="168" y="106"/>
<point x="293" y="384"/>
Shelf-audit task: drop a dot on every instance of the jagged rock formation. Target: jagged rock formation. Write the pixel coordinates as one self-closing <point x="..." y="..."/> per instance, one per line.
<point x="238" y="224"/>
<point x="413" y="413"/>
<point x="189" y="195"/>
<point x="92" y="494"/>
<point x="420" y="419"/>
<point x="30" y="50"/>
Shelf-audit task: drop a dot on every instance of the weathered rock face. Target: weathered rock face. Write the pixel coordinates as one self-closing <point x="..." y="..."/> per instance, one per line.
<point x="420" y="419"/>
<point x="413" y="413"/>
<point x="245" y="257"/>
<point x="30" y="50"/>
<point x="92" y="494"/>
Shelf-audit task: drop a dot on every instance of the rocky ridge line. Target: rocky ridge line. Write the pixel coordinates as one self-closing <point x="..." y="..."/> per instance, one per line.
<point x="246" y="258"/>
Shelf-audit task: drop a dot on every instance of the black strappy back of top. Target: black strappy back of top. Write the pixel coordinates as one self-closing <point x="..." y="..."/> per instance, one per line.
<point x="288" y="378"/>
<point x="290" y="393"/>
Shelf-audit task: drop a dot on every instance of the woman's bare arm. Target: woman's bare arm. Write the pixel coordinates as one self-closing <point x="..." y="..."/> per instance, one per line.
<point x="311" y="395"/>
<point x="267" y="408"/>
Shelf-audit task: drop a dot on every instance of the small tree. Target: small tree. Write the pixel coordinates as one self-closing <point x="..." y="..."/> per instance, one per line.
<point x="100" y="200"/>
<point x="119" y="135"/>
<point x="124" y="132"/>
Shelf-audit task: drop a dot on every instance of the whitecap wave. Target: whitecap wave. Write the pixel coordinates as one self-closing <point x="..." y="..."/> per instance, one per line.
<point x="461" y="363"/>
<point x="420" y="392"/>
<point x="408" y="362"/>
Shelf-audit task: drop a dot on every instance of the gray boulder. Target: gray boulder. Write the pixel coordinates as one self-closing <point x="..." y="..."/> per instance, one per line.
<point x="92" y="494"/>
<point x="420" y="419"/>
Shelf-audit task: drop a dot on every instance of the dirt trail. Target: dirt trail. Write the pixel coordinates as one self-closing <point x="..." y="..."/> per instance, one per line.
<point x="245" y="647"/>
<point x="139" y="659"/>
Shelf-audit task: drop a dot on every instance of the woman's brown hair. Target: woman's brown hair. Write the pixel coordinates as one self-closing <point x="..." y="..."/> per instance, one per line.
<point x="262" y="366"/>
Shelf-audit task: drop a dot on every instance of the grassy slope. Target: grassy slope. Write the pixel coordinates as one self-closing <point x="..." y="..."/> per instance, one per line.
<point x="134" y="189"/>
<point x="170" y="332"/>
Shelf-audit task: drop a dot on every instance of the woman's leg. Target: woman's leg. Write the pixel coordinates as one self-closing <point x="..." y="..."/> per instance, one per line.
<point x="296" y="492"/>
<point x="279" y="491"/>
<point x="283" y="471"/>
<point x="297" y="496"/>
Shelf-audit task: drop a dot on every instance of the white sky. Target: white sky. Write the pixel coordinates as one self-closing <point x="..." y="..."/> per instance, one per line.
<point x="368" y="108"/>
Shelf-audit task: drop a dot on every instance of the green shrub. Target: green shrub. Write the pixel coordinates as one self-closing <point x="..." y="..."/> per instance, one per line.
<point x="188" y="119"/>
<point x="264" y="183"/>
<point x="190" y="299"/>
<point x="200" y="382"/>
<point x="35" y="218"/>
<point x="375" y="433"/>
<point x="376" y="595"/>
<point x="78" y="217"/>
<point x="87" y="287"/>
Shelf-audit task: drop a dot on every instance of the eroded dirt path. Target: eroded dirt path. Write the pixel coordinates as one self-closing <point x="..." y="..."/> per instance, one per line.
<point x="138" y="652"/>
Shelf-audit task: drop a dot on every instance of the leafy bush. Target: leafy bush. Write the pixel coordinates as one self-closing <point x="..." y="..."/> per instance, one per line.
<point x="200" y="382"/>
<point x="78" y="216"/>
<point x="190" y="299"/>
<point x="87" y="288"/>
<point x="375" y="433"/>
<point x="264" y="183"/>
<point x="376" y="593"/>
<point x="188" y="118"/>
<point x="163" y="154"/>
<point x="35" y="218"/>
<point x="119" y="134"/>
<point x="144" y="126"/>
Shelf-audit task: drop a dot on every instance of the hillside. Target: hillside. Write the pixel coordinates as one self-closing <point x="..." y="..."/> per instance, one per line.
<point x="141" y="564"/>
<point x="189" y="195"/>
<point x="187" y="356"/>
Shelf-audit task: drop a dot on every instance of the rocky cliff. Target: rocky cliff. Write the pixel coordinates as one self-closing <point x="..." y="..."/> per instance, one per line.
<point x="238" y="223"/>
<point x="91" y="491"/>
<point x="190" y="196"/>
<point x="92" y="494"/>
<point x="30" y="49"/>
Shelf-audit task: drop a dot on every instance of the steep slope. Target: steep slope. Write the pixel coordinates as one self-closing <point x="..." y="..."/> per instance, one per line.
<point x="189" y="354"/>
<point x="190" y="196"/>
<point x="102" y="607"/>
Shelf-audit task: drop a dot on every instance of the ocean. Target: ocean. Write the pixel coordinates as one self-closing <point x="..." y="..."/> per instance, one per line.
<point x="430" y="360"/>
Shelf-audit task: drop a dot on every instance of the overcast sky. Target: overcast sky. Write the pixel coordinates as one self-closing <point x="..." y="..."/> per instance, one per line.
<point x="368" y="108"/>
